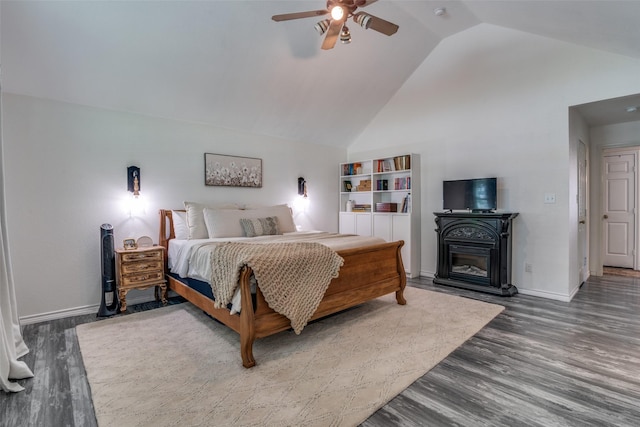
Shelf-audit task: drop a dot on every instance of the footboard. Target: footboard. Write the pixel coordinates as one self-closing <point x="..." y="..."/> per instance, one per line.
<point x="368" y="273"/>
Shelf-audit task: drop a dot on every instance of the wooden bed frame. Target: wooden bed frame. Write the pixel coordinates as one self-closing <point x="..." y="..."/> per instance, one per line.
<point x="368" y="273"/>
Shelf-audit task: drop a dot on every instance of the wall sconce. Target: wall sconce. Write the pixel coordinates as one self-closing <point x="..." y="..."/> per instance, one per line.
<point x="302" y="187"/>
<point x="133" y="180"/>
<point x="135" y="205"/>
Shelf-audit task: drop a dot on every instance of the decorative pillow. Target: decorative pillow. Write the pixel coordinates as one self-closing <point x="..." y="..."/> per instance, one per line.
<point x="180" y="228"/>
<point x="225" y="223"/>
<point x="260" y="226"/>
<point x="195" y="219"/>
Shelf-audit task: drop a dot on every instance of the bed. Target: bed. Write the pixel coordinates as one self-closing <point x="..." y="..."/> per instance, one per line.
<point x="367" y="272"/>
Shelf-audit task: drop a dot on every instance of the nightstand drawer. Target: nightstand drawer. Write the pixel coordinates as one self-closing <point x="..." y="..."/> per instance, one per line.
<point x="142" y="278"/>
<point x="142" y="267"/>
<point x="142" y="256"/>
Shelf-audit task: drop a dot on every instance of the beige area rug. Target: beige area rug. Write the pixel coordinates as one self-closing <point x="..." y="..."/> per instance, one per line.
<point x="176" y="366"/>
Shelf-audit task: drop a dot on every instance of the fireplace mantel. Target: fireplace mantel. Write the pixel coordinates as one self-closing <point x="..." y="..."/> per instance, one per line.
<point x="474" y="251"/>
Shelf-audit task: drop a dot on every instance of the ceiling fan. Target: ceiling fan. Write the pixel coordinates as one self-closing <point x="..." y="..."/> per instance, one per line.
<point x="340" y="11"/>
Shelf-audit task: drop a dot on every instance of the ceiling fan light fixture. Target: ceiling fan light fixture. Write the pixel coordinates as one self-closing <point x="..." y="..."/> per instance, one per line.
<point x="345" y="35"/>
<point x="322" y="26"/>
<point x="337" y="13"/>
<point x="362" y="19"/>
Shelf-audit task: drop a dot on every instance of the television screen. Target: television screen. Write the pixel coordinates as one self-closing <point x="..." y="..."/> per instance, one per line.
<point x="473" y="194"/>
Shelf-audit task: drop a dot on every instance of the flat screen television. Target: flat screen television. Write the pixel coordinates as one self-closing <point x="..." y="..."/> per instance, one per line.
<point x="476" y="195"/>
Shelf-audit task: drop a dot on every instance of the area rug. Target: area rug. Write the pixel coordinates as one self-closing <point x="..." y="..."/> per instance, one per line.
<point x="176" y="366"/>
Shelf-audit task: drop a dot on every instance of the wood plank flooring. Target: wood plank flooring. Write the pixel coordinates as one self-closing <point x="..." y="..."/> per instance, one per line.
<point x="539" y="363"/>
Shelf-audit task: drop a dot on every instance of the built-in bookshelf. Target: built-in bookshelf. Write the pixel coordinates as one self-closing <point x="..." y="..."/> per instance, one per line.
<point x="380" y="197"/>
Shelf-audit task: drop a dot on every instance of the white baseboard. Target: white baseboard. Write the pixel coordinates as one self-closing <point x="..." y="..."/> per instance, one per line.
<point x="77" y="311"/>
<point x="531" y="292"/>
<point x="547" y="295"/>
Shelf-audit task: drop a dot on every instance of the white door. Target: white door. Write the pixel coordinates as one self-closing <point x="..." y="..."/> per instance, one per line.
<point x="619" y="209"/>
<point x="582" y="212"/>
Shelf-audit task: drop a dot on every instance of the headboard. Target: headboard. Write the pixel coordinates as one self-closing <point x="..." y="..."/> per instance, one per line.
<point x="166" y="230"/>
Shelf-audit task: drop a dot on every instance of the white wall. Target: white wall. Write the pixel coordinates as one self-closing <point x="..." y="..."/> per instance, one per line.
<point x="65" y="171"/>
<point x="492" y="101"/>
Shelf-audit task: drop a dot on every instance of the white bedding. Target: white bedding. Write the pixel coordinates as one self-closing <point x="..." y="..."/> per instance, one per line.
<point x="190" y="258"/>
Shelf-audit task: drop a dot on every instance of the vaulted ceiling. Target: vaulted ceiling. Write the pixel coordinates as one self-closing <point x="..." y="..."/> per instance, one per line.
<point x="226" y="63"/>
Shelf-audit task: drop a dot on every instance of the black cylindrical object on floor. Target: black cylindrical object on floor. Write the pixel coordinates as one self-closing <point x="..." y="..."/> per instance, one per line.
<point x="110" y="303"/>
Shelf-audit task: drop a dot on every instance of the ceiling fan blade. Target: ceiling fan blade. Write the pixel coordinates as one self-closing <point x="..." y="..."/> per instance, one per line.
<point x="298" y="15"/>
<point x="382" y="26"/>
<point x="332" y="34"/>
<point x="364" y="3"/>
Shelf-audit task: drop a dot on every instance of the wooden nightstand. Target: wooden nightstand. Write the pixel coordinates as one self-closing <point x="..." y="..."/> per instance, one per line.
<point x="140" y="269"/>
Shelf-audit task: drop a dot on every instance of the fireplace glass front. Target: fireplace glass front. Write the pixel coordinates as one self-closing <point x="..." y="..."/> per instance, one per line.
<point x="474" y="265"/>
<point x="470" y="263"/>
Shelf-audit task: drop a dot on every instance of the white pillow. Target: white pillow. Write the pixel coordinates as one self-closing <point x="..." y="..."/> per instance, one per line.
<point x="226" y="223"/>
<point x="195" y="219"/>
<point x="285" y="218"/>
<point x="180" y="228"/>
<point x="284" y="214"/>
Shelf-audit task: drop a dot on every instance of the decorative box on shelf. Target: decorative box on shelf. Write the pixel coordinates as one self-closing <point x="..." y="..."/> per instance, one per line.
<point x="386" y="207"/>
<point x="364" y="185"/>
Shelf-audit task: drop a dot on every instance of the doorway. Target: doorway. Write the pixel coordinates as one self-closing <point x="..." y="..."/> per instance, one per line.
<point x="583" y="193"/>
<point x="619" y="219"/>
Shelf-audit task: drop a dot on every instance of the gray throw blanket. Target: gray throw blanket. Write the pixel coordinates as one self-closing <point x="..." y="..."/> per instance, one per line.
<point x="293" y="277"/>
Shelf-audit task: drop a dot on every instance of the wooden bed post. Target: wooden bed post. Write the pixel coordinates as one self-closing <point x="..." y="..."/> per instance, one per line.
<point x="403" y="276"/>
<point x="247" y="321"/>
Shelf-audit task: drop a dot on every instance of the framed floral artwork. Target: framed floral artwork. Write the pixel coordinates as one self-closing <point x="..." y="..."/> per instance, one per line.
<point x="232" y="171"/>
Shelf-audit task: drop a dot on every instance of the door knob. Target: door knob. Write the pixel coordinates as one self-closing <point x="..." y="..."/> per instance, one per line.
<point x="605" y="216"/>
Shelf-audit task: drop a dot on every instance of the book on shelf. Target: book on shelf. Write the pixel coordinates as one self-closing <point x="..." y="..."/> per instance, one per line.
<point x="406" y="204"/>
<point x="352" y="169"/>
<point x="402" y="162"/>
<point x="403" y="183"/>
<point x="396" y="163"/>
<point x="382" y="185"/>
<point x="361" y="208"/>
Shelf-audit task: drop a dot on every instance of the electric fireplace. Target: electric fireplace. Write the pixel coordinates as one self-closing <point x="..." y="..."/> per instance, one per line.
<point x="474" y="251"/>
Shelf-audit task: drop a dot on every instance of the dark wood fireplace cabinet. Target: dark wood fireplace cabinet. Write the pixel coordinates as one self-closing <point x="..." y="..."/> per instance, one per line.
<point x="474" y="251"/>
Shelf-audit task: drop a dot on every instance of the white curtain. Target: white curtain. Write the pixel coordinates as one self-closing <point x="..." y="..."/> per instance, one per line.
<point x="12" y="345"/>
